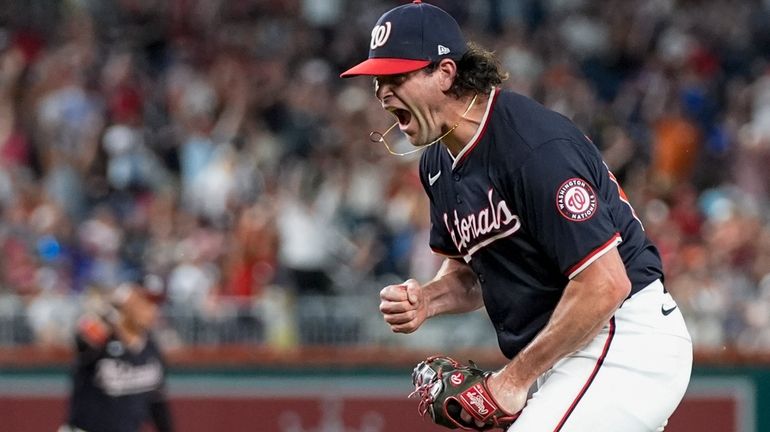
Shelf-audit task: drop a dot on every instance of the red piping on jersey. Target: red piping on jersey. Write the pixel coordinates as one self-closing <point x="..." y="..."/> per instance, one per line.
<point x="483" y="130"/>
<point x="593" y="253"/>
<point x="590" y="380"/>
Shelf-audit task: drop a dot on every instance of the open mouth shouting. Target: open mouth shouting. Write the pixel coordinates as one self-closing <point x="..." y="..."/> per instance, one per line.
<point x="404" y="117"/>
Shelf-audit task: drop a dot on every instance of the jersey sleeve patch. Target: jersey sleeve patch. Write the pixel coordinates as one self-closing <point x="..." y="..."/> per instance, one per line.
<point x="576" y="200"/>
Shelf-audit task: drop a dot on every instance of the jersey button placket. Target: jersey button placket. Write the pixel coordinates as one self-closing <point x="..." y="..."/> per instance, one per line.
<point x="456" y="178"/>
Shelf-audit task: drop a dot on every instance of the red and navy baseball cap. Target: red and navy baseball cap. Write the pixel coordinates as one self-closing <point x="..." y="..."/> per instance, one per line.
<point x="408" y="38"/>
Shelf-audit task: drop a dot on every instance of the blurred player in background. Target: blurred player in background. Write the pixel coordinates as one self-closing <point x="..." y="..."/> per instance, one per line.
<point x="119" y="372"/>
<point x="535" y="228"/>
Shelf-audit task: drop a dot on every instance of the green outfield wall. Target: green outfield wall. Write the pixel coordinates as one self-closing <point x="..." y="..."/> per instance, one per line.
<point x="720" y="399"/>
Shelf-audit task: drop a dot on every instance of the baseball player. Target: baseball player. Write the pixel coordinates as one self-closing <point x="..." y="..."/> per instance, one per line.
<point x="119" y="373"/>
<point x="536" y="229"/>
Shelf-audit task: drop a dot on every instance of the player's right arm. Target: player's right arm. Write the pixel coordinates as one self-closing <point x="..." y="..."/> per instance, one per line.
<point x="454" y="289"/>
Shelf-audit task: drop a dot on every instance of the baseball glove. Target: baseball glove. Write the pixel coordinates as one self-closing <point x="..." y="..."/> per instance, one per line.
<point x="446" y="387"/>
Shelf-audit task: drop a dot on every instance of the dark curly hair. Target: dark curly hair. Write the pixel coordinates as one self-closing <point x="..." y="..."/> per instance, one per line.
<point x="477" y="71"/>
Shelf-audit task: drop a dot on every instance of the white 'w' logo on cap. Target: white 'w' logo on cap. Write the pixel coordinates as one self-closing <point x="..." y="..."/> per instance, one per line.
<point x="443" y="50"/>
<point x="380" y="35"/>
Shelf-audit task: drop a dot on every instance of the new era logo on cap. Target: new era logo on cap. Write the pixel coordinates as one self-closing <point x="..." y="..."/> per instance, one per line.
<point x="410" y="37"/>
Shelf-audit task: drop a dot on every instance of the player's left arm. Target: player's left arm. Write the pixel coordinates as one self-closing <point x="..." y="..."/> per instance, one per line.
<point x="563" y="192"/>
<point x="589" y="301"/>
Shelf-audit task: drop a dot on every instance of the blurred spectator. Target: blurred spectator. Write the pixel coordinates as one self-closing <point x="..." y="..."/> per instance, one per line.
<point x="252" y="259"/>
<point x="306" y="234"/>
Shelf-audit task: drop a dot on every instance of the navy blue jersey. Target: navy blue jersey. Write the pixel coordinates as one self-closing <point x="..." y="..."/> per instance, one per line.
<point x="116" y="389"/>
<point x="528" y="204"/>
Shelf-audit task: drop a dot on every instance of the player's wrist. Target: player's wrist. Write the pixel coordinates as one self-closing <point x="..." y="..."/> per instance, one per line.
<point x="509" y="394"/>
<point x="512" y="377"/>
<point x="427" y="299"/>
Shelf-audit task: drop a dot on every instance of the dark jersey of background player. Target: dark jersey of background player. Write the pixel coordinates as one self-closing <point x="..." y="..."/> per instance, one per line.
<point x="116" y="389"/>
<point x="528" y="204"/>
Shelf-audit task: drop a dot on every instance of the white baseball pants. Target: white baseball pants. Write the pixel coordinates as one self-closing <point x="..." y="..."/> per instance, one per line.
<point x="629" y="378"/>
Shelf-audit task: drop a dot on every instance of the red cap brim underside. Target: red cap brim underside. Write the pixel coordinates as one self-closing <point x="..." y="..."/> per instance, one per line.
<point x="385" y="66"/>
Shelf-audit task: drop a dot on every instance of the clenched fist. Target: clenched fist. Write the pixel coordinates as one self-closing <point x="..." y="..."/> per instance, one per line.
<point x="404" y="307"/>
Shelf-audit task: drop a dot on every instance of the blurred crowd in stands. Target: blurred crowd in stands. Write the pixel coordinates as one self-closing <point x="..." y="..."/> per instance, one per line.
<point x="210" y="145"/>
